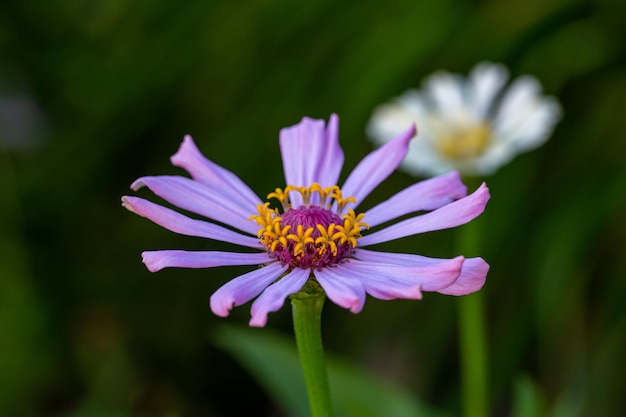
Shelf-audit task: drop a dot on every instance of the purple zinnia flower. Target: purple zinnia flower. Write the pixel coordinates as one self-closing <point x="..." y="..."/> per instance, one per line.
<point x="315" y="231"/>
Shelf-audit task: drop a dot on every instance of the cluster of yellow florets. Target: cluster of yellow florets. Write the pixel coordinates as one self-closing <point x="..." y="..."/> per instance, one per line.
<point x="312" y="234"/>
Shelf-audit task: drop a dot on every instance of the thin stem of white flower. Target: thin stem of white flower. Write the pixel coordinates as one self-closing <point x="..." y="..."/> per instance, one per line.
<point x="307" y="310"/>
<point x="472" y="337"/>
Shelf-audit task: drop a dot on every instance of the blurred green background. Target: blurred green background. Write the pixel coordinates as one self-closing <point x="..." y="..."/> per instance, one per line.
<point x="95" y="94"/>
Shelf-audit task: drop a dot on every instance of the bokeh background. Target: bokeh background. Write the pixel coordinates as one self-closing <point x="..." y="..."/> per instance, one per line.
<point x="94" y="94"/>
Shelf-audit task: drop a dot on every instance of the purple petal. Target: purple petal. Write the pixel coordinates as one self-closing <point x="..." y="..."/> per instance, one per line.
<point x="332" y="163"/>
<point x="454" y="214"/>
<point x="376" y="167"/>
<point x="201" y="199"/>
<point x="403" y="259"/>
<point x="427" y="195"/>
<point x="201" y="169"/>
<point x="244" y="288"/>
<point x="273" y="298"/>
<point x="184" y="225"/>
<point x="157" y="260"/>
<point x="311" y="152"/>
<point x="379" y="285"/>
<point x="472" y="277"/>
<point x="345" y="291"/>
<point x="432" y="276"/>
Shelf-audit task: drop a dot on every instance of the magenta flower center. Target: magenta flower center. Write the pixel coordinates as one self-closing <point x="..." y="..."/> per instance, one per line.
<point x="313" y="234"/>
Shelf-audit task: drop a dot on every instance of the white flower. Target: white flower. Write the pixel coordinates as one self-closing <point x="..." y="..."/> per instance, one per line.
<point x="472" y="125"/>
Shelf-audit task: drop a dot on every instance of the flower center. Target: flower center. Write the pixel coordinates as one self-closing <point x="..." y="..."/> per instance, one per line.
<point x="465" y="142"/>
<point x="312" y="235"/>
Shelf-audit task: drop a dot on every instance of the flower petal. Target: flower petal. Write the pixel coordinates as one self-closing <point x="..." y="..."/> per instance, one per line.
<point x="392" y="119"/>
<point x="525" y="117"/>
<point x="534" y="127"/>
<point x="379" y="284"/>
<point x="311" y="153"/>
<point x="330" y="166"/>
<point x="273" y="298"/>
<point x="203" y="170"/>
<point x="201" y="199"/>
<point x="376" y="167"/>
<point x="184" y="225"/>
<point x="447" y="92"/>
<point x="244" y="288"/>
<point x="472" y="277"/>
<point x="345" y="291"/>
<point x="431" y="276"/>
<point x="157" y="260"/>
<point x="454" y="214"/>
<point x="484" y="83"/>
<point x="427" y="195"/>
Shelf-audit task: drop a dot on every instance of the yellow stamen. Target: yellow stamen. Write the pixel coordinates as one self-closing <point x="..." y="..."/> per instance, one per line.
<point x="328" y="240"/>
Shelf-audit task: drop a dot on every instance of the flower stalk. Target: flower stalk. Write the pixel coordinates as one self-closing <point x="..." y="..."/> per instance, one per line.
<point x="307" y="311"/>
<point x="472" y="338"/>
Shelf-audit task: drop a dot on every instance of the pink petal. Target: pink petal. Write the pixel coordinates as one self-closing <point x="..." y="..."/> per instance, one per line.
<point x="244" y="288"/>
<point x="345" y="291"/>
<point x="425" y="195"/>
<point x="472" y="277"/>
<point x="201" y="169"/>
<point x="454" y="214"/>
<point x="311" y="153"/>
<point x="184" y="225"/>
<point x="157" y="260"/>
<point x="273" y="298"/>
<point x="201" y="199"/>
<point x="376" y="167"/>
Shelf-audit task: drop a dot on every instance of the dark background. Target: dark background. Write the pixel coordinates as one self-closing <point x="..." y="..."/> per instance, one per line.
<point x="95" y="94"/>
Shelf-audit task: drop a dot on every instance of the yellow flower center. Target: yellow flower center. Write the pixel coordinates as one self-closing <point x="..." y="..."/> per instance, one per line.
<point x="312" y="235"/>
<point x="465" y="142"/>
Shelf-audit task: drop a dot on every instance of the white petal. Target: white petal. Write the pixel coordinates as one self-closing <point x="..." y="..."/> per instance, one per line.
<point x="485" y="82"/>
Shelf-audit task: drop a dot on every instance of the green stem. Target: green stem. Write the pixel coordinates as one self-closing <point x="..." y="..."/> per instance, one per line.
<point x="472" y="336"/>
<point x="307" y="311"/>
<point x="473" y="356"/>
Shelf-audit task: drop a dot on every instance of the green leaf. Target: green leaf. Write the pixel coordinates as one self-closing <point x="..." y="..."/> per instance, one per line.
<point x="528" y="400"/>
<point x="272" y="359"/>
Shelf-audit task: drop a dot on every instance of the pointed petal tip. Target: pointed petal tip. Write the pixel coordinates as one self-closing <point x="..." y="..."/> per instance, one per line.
<point x="137" y="184"/>
<point x="454" y="174"/>
<point x="458" y="261"/>
<point x="186" y="145"/>
<point x="408" y="134"/>
<point x="127" y="204"/>
<point x="151" y="261"/>
<point x="356" y="306"/>
<point x="352" y="304"/>
<point x="221" y="307"/>
<point x="472" y="279"/>
<point x="484" y="190"/>
<point x="260" y="320"/>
